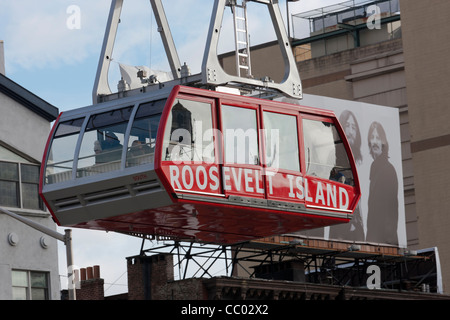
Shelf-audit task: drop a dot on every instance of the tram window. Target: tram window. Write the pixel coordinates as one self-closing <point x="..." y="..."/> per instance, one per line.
<point x="60" y="158"/>
<point x="141" y="144"/>
<point x="325" y="153"/>
<point x="189" y="132"/>
<point x="281" y="141"/>
<point x="240" y="132"/>
<point x="101" y="148"/>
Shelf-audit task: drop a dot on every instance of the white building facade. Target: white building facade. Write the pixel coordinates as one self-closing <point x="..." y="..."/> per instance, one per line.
<point x="28" y="258"/>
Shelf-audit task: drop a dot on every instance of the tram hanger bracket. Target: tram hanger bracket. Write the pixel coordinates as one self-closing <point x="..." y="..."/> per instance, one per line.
<point x="212" y="74"/>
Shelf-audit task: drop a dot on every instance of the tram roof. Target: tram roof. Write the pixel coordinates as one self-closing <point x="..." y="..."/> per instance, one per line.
<point x="165" y="92"/>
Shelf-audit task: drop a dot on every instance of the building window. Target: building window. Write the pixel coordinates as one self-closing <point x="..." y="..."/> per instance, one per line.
<point x="29" y="285"/>
<point x="9" y="184"/>
<point x="29" y="175"/>
<point x="19" y="186"/>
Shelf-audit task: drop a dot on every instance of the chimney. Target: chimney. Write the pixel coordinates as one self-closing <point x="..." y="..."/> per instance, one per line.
<point x="2" y="58"/>
<point x="91" y="285"/>
<point x="148" y="276"/>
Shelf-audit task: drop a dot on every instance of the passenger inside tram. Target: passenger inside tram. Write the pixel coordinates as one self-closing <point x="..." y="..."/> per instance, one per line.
<point x="136" y="153"/>
<point x="111" y="149"/>
<point x="325" y="153"/>
<point x="336" y="175"/>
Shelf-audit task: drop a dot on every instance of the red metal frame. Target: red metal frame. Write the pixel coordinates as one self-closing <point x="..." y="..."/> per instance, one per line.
<point x="44" y="164"/>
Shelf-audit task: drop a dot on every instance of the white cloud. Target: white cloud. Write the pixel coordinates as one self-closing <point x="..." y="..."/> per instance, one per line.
<point x="36" y="35"/>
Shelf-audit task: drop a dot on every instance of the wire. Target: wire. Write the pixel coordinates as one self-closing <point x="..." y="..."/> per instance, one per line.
<point x="114" y="283"/>
<point x="151" y="40"/>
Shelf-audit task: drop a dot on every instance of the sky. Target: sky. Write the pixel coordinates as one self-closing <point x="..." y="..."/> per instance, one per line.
<point x="52" y="49"/>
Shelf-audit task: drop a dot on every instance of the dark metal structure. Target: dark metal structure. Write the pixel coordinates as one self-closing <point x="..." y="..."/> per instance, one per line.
<point x="305" y="260"/>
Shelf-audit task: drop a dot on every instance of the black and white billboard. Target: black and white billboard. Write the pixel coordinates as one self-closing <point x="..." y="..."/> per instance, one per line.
<point x="374" y="135"/>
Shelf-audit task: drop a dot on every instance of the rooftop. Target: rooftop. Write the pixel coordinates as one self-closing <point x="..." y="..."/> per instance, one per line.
<point x="343" y="12"/>
<point x="28" y="99"/>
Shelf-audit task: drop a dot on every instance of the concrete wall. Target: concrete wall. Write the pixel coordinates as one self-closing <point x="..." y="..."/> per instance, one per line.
<point x="260" y="55"/>
<point x="22" y="129"/>
<point x="426" y="47"/>
<point x="28" y="253"/>
<point x="26" y="133"/>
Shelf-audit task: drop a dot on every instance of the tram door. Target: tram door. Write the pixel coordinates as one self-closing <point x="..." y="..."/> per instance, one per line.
<point x="284" y="181"/>
<point x="261" y="154"/>
<point x="242" y="172"/>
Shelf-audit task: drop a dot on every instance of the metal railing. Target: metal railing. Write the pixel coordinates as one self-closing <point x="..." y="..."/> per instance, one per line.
<point x="319" y="20"/>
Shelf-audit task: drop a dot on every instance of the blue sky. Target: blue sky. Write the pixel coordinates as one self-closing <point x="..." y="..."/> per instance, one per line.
<point x="59" y="64"/>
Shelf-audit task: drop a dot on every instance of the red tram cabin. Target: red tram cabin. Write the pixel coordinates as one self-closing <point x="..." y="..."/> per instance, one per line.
<point x="200" y="165"/>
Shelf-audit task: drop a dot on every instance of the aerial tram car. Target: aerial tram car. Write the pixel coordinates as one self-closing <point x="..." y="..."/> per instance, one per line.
<point x="187" y="161"/>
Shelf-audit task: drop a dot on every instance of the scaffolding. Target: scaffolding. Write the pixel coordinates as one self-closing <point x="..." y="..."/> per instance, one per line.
<point x="306" y="260"/>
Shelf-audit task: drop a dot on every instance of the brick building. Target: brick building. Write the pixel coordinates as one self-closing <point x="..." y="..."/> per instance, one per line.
<point x="91" y="285"/>
<point x="152" y="278"/>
